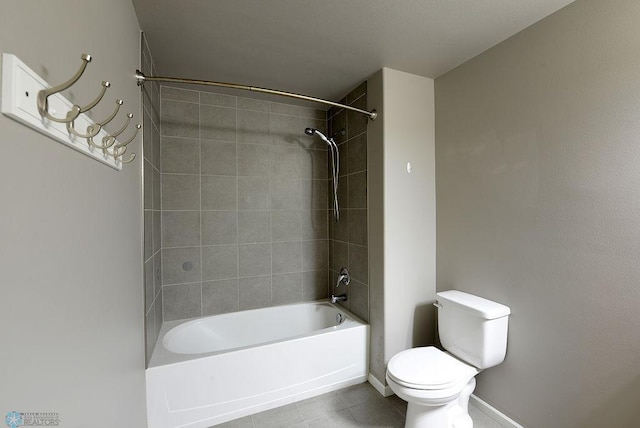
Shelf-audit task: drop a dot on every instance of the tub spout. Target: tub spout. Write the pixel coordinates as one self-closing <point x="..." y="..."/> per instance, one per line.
<point x="338" y="298"/>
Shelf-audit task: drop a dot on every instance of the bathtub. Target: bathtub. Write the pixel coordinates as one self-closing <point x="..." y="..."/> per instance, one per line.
<point x="211" y="370"/>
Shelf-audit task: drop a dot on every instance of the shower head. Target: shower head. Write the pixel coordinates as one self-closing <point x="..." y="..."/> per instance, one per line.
<point x="313" y="131"/>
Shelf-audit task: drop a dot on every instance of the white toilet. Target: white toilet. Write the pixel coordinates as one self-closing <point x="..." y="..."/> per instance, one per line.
<point x="437" y="384"/>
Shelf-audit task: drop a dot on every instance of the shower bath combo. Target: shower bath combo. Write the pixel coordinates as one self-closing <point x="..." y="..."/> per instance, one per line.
<point x="335" y="165"/>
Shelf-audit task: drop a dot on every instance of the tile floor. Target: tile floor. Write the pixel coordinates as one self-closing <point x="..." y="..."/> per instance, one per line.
<point x="355" y="406"/>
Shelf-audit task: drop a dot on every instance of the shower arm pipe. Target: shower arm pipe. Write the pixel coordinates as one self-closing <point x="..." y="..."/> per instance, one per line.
<point x="142" y="78"/>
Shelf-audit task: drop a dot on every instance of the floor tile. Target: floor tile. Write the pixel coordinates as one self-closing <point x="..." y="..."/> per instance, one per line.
<point x="341" y="419"/>
<point x="245" y="422"/>
<point x="281" y="417"/>
<point x="320" y="406"/>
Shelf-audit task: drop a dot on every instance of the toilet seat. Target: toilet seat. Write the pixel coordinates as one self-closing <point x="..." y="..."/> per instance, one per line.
<point x="428" y="368"/>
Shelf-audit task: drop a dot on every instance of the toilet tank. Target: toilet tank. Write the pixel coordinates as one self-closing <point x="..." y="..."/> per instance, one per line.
<point x="472" y="328"/>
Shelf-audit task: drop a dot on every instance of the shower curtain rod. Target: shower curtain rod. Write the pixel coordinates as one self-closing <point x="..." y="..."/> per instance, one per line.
<point x="141" y="78"/>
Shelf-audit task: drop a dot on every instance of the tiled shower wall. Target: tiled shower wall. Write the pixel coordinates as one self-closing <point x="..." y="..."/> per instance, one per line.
<point x="244" y="204"/>
<point x="348" y="237"/>
<point x="151" y="172"/>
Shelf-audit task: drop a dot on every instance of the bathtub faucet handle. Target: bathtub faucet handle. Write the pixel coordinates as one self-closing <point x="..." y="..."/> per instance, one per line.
<point x="344" y="277"/>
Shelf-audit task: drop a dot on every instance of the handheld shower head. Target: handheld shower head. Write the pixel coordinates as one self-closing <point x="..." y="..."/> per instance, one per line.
<point x="313" y="131"/>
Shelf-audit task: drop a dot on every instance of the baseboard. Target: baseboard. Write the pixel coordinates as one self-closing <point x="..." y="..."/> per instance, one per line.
<point x="493" y="413"/>
<point x="379" y="386"/>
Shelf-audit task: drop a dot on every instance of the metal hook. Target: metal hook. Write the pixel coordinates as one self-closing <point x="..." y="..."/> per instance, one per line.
<point x="119" y="155"/>
<point x="43" y="95"/>
<point x="109" y="140"/>
<point x="94" y="129"/>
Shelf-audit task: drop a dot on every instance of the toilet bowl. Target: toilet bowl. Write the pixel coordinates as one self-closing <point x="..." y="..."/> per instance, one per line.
<point x="437" y="384"/>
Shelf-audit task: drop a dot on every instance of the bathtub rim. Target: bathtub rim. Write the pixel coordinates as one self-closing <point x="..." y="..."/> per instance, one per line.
<point x="167" y="358"/>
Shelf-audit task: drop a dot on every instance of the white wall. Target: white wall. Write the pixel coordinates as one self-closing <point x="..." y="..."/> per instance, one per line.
<point x="402" y="214"/>
<point x="71" y="323"/>
<point x="538" y="204"/>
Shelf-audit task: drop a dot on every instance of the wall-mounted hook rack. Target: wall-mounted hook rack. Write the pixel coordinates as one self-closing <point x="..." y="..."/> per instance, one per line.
<point x="28" y="99"/>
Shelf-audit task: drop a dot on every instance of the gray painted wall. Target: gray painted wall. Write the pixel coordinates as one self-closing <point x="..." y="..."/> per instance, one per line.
<point x="538" y="207"/>
<point x="402" y="222"/>
<point x="71" y="324"/>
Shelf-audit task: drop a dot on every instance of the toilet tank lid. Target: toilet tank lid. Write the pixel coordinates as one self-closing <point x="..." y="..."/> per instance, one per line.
<point x="478" y="306"/>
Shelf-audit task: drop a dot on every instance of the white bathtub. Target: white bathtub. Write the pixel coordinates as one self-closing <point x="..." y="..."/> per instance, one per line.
<point x="211" y="370"/>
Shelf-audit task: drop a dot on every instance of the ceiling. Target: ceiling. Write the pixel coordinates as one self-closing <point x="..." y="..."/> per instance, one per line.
<point x="324" y="48"/>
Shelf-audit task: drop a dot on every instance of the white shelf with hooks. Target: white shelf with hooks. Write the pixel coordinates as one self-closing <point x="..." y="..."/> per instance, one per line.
<point x="20" y="87"/>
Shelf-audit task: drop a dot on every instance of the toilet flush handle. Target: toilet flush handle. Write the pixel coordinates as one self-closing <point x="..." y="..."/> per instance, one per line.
<point x="437" y="305"/>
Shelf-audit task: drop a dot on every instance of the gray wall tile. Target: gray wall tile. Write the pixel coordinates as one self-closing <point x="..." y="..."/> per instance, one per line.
<point x="157" y="189"/>
<point x="315" y="255"/>
<point x="148" y="185"/>
<point x="218" y="99"/>
<point x="314" y="164"/>
<point x="358" y="190"/>
<point x="254" y="226"/>
<point x="158" y="315"/>
<point x="155" y="146"/>
<point x="255" y="292"/>
<point x="180" y="228"/>
<point x="180" y="155"/>
<point x="315" y="194"/>
<point x="180" y="192"/>
<point x="219" y="262"/>
<point x="253" y="127"/>
<point x="359" y="263"/>
<point x="219" y="193"/>
<point x="357" y="154"/>
<point x="253" y="104"/>
<point x="358" y="226"/>
<point x="149" y="293"/>
<point x="357" y="123"/>
<point x="254" y="259"/>
<point x="170" y="93"/>
<point x="286" y="257"/>
<point x="219" y="227"/>
<point x="339" y="229"/>
<point x="218" y="158"/>
<point x="286" y="225"/>
<point x="254" y="160"/>
<point x="286" y="193"/>
<point x="313" y="113"/>
<point x="314" y="285"/>
<point x="286" y="288"/>
<point x="254" y="193"/>
<point x="147" y="136"/>
<point x="314" y="224"/>
<point x="219" y="297"/>
<point x="248" y="172"/>
<point x="286" y="130"/>
<point x="180" y="119"/>
<point x="287" y="162"/>
<point x="180" y="265"/>
<point x="181" y="301"/>
<point x="359" y="299"/>
<point x="157" y="273"/>
<point x="289" y="109"/>
<point x="157" y="231"/>
<point x="217" y="123"/>
<point x="339" y="255"/>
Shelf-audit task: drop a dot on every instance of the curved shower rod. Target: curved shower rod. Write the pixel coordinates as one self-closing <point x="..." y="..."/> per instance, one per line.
<point x="142" y="78"/>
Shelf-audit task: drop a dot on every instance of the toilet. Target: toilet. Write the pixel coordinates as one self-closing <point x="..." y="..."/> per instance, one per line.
<point x="437" y="384"/>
